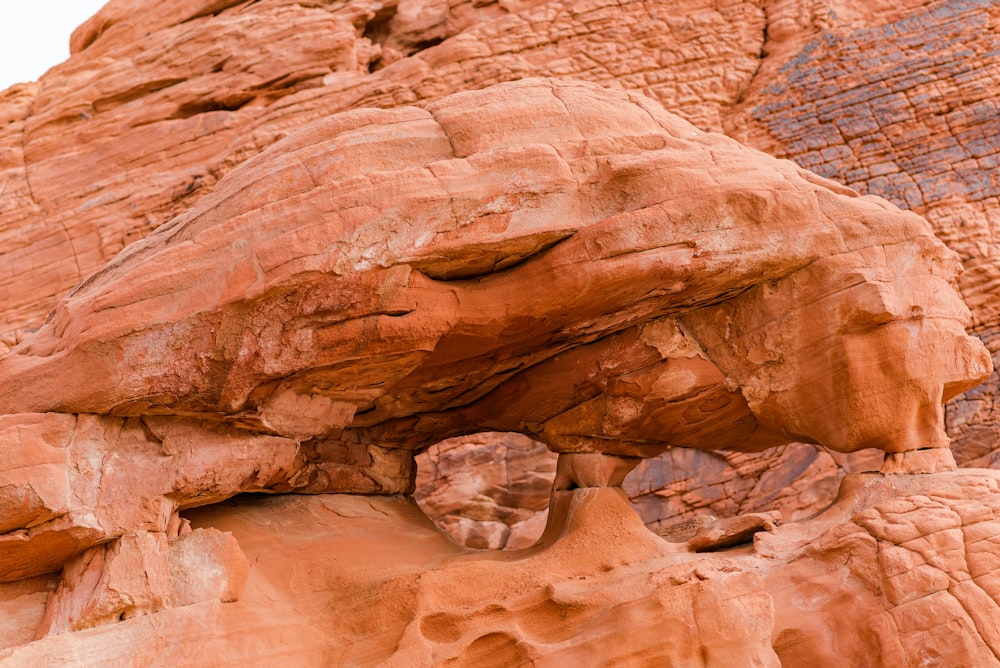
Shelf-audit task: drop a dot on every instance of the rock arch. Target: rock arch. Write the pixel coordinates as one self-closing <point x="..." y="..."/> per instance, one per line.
<point x="543" y="257"/>
<point x="396" y="276"/>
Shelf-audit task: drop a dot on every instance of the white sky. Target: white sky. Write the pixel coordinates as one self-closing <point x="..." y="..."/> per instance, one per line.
<point x="34" y="35"/>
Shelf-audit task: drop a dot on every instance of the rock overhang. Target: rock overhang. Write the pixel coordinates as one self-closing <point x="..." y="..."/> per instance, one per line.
<point x="527" y="257"/>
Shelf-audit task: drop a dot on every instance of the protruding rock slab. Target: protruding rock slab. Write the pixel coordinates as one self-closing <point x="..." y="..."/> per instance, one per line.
<point x="730" y="531"/>
<point x="109" y="583"/>
<point x="148" y="114"/>
<point x="697" y="293"/>
<point x="70" y="483"/>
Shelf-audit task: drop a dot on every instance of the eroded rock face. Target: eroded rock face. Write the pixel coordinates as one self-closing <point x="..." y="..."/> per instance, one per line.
<point x="487" y="490"/>
<point x="362" y="318"/>
<point x="911" y="558"/>
<point x="326" y="294"/>
<point x="364" y="281"/>
<point x="146" y="116"/>
<point x="896" y="99"/>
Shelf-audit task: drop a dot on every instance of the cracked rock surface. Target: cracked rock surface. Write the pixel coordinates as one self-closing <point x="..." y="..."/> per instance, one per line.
<point x="257" y="256"/>
<point x="146" y="116"/>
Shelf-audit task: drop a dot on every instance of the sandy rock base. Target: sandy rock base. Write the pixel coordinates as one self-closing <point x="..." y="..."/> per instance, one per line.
<point x="902" y="569"/>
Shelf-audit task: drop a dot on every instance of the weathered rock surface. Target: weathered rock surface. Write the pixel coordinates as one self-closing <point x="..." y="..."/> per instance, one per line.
<point x="897" y="99"/>
<point x="701" y="295"/>
<point x="487" y="490"/>
<point x="325" y="295"/>
<point x="911" y="558"/>
<point x="672" y="324"/>
<point x="146" y="116"/>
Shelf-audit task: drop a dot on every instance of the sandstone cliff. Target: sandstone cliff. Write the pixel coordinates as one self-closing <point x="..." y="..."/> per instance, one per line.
<point x="283" y="247"/>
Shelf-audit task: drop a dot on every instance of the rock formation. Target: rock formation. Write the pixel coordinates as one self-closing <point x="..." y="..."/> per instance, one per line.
<point x="487" y="490"/>
<point x="286" y="248"/>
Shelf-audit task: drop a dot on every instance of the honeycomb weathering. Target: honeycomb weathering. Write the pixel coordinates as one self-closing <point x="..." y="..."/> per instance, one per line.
<point x="353" y="229"/>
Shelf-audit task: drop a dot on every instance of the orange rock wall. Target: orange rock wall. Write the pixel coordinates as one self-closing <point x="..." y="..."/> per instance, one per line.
<point x="897" y="100"/>
<point x="141" y="124"/>
<point x="83" y="147"/>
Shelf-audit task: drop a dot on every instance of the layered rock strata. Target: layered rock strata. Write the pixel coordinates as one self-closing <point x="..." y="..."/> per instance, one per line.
<point x="910" y="558"/>
<point x="326" y="295"/>
<point x="355" y="294"/>
<point x="362" y="282"/>
<point x="146" y="116"/>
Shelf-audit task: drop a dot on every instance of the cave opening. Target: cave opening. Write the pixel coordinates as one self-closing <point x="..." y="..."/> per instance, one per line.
<point x="491" y="490"/>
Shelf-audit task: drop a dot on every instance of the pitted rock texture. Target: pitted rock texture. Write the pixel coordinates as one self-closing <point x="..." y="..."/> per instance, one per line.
<point x="898" y="100"/>
<point x="146" y="116"/>
<point x="191" y="120"/>
<point x="899" y="571"/>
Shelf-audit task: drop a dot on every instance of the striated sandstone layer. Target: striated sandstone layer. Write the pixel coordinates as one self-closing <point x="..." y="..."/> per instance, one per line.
<point x="362" y="282"/>
<point x="671" y="323"/>
<point x="355" y="294"/>
<point x="146" y="116"/>
<point x="312" y="298"/>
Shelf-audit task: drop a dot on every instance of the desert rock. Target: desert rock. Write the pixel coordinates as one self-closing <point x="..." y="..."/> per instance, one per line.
<point x="146" y="116"/>
<point x="281" y="248"/>
<point x="909" y="556"/>
<point x="263" y="327"/>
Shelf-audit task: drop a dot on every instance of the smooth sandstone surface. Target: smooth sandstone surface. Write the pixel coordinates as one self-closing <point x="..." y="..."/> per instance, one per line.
<point x="374" y="583"/>
<point x="487" y="490"/>
<point x="313" y="297"/>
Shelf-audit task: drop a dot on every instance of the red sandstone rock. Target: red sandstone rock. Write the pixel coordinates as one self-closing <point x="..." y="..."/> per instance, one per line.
<point x="896" y="99"/>
<point x="120" y="139"/>
<point x="263" y="328"/>
<point x="78" y="481"/>
<point x="487" y="490"/>
<point x="719" y="535"/>
<point x="117" y="143"/>
<point x="146" y="116"/>
<point x="909" y="556"/>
